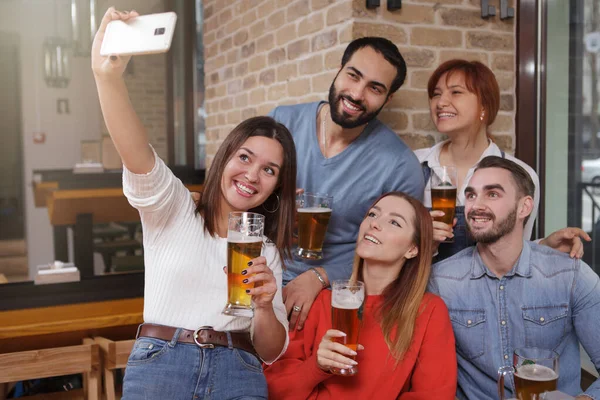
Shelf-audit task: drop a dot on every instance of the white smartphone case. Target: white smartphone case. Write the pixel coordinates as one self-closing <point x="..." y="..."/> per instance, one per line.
<point x="146" y="34"/>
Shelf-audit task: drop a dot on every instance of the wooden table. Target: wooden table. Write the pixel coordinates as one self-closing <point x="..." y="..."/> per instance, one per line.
<point x="81" y="208"/>
<point x="38" y="328"/>
<point x="54" y="328"/>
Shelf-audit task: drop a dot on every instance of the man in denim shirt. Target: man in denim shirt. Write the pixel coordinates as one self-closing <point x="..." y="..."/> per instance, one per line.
<point x="507" y="292"/>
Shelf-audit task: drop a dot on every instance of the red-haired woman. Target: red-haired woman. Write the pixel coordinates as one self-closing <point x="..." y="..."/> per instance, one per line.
<point x="464" y="99"/>
<point x="407" y="342"/>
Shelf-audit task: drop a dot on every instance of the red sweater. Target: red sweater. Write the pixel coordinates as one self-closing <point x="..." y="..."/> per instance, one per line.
<point x="428" y="370"/>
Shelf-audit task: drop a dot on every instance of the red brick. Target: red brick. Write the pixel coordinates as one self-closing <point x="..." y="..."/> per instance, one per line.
<point x="276" y="56"/>
<point x="286" y="72"/>
<point x="277" y="91"/>
<point x="338" y="13"/>
<point x="324" y="40"/>
<point x="312" y="23"/>
<point x="297" y="10"/>
<point x="297" y="49"/>
<point x="286" y="34"/>
<point x="298" y="87"/>
<point x="490" y="41"/>
<point x="392" y="32"/>
<point x="267" y="77"/>
<point x="435" y="37"/>
<point x="311" y="65"/>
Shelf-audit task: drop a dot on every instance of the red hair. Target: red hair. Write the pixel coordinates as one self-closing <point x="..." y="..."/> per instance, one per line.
<point x="479" y="79"/>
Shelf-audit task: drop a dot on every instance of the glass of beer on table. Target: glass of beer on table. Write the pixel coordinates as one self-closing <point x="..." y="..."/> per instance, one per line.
<point x="244" y="243"/>
<point x="535" y="372"/>
<point x="314" y="211"/>
<point x="347" y="298"/>
<point x="443" y="193"/>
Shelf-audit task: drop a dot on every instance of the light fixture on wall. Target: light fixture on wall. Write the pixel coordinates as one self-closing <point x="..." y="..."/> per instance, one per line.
<point x="57" y="62"/>
<point x="83" y="26"/>
<point x="56" y="53"/>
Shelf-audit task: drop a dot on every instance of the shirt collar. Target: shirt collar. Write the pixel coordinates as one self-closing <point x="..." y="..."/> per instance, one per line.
<point x="522" y="267"/>
<point x="432" y="158"/>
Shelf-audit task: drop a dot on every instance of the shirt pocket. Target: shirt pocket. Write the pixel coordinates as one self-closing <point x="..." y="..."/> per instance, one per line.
<point x="545" y="326"/>
<point x="147" y="350"/>
<point x="469" y="331"/>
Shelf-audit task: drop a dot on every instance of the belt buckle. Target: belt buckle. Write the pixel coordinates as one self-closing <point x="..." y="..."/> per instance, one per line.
<point x="202" y="345"/>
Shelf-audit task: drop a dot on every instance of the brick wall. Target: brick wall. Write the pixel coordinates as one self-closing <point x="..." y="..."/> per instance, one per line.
<point x="263" y="53"/>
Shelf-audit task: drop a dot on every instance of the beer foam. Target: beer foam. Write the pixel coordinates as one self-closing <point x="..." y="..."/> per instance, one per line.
<point x="314" y="210"/>
<point x="536" y="372"/>
<point x="239" y="237"/>
<point x="346" y="300"/>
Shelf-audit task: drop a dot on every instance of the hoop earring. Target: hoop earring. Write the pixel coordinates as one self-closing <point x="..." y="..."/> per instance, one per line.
<point x="276" y="208"/>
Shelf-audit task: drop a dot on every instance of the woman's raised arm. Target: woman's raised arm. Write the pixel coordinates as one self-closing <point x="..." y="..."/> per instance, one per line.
<point x="125" y="128"/>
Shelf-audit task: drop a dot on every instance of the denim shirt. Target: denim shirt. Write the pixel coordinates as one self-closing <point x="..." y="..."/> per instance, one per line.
<point x="547" y="300"/>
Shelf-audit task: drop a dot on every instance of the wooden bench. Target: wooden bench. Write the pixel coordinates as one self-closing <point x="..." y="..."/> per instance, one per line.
<point x="114" y="355"/>
<point x="57" y="361"/>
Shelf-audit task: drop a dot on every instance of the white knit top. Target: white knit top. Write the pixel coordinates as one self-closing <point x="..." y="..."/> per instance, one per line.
<point x="185" y="285"/>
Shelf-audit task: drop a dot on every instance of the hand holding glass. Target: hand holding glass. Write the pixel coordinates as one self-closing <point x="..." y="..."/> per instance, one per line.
<point x="535" y="371"/>
<point x="443" y="193"/>
<point x="314" y="211"/>
<point x="244" y="243"/>
<point x="347" y="298"/>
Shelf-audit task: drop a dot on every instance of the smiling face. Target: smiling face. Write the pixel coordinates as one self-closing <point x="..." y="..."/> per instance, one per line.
<point x="386" y="234"/>
<point x="493" y="206"/>
<point x="454" y="109"/>
<point x="252" y="174"/>
<point x="360" y="89"/>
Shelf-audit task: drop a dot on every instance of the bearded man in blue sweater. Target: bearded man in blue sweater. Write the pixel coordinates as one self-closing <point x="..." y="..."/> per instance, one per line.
<point x="345" y="151"/>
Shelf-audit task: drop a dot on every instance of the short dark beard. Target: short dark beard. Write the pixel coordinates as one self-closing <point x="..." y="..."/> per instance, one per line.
<point x="503" y="228"/>
<point x="339" y="118"/>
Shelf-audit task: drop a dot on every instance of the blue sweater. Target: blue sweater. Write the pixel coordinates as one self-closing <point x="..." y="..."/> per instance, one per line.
<point x="377" y="162"/>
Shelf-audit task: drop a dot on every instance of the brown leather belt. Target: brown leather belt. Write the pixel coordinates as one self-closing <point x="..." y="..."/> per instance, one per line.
<point x="204" y="337"/>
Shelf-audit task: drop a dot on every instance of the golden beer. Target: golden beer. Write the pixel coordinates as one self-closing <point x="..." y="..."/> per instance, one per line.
<point x="444" y="199"/>
<point x="346" y="302"/>
<point x="312" y="226"/>
<point x="532" y="380"/>
<point x="238" y="256"/>
<point x="244" y="243"/>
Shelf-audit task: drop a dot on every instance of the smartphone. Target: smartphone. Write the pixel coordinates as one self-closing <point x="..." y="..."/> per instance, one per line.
<point x="146" y="34"/>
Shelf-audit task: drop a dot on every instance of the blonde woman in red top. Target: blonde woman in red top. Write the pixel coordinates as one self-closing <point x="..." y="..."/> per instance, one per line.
<point x="407" y="342"/>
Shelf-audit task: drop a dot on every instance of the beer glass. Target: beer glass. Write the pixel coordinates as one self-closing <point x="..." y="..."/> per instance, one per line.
<point x="535" y="372"/>
<point x="314" y="211"/>
<point x="443" y="193"/>
<point x="347" y="298"/>
<point x="244" y="242"/>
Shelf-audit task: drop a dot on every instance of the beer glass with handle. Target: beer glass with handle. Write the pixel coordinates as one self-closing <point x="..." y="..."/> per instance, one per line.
<point x="244" y="243"/>
<point x="443" y="182"/>
<point x="314" y="211"/>
<point x="347" y="298"/>
<point x="535" y="372"/>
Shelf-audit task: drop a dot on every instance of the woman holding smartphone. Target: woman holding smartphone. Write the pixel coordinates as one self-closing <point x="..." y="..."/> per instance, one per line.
<point x="186" y="347"/>
<point x="407" y="342"/>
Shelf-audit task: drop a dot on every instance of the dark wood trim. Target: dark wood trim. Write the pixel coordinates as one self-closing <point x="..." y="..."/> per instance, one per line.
<point x="541" y="148"/>
<point x="189" y="72"/>
<point x="526" y="86"/>
<point x="15" y="296"/>
<point x="170" y="77"/>
<point x="526" y="121"/>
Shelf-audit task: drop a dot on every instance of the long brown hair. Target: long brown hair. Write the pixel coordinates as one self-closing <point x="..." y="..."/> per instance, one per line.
<point x="479" y="79"/>
<point x="278" y="224"/>
<point x="402" y="298"/>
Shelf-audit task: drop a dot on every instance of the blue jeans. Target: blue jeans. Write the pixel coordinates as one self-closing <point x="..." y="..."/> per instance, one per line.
<point x="161" y="370"/>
